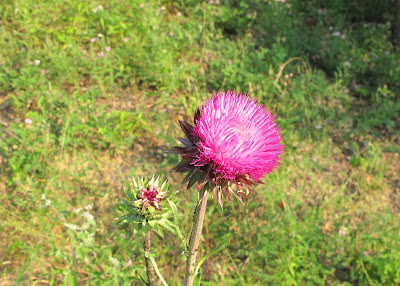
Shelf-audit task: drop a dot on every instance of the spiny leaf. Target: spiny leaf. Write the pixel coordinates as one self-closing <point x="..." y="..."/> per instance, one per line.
<point x="185" y="142"/>
<point x="215" y="250"/>
<point x="197" y="115"/>
<point x="188" y="177"/>
<point x="181" y="166"/>
<point x="186" y="128"/>
<point x="166" y="223"/>
<point x="195" y="177"/>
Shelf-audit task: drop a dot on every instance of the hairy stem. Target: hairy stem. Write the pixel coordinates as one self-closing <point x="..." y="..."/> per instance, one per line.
<point x="149" y="267"/>
<point x="195" y="237"/>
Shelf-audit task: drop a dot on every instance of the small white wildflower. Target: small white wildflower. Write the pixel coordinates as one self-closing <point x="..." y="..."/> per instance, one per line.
<point x="129" y="263"/>
<point x="89" y="207"/>
<point x="47" y="203"/>
<point x="43" y="196"/>
<point x="71" y="226"/>
<point x="28" y="123"/>
<point x="100" y="7"/>
<point x="37" y="62"/>
<point x="88" y="216"/>
<point x="114" y="261"/>
<point x="89" y="239"/>
<point x="342" y="232"/>
<point x="336" y="34"/>
<point x="76" y="211"/>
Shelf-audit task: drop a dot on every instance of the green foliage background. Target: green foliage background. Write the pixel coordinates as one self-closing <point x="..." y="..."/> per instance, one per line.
<point x="104" y="88"/>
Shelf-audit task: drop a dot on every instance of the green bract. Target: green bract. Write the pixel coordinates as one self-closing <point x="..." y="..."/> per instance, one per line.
<point x="151" y="213"/>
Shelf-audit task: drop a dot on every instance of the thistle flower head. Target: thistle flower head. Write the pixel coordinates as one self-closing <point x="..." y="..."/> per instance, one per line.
<point x="151" y="196"/>
<point x="148" y="205"/>
<point x="234" y="142"/>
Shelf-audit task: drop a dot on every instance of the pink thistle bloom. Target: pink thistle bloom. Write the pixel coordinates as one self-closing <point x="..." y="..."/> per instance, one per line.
<point x="100" y="35"/>
<point x="238" y="137"/>
<point x="93" y="40"/>
<point x="108" y="49"/>
<point x="233" y="143"/>
<point x="100" y="54"/>
<point x="150" y="196"/>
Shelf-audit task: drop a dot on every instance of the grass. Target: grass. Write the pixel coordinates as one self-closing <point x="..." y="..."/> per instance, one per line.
<point x="328" y="215"/>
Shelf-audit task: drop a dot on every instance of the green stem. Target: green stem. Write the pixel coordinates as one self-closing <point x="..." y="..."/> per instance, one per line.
<point x="149" y="266"/>
<point x="195" y="237"/>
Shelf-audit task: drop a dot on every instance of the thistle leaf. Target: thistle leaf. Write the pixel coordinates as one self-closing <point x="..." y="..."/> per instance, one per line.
<point x="214" y="251"/>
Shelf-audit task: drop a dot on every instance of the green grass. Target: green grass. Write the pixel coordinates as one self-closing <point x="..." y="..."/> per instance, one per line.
<point x="328" y="215"/>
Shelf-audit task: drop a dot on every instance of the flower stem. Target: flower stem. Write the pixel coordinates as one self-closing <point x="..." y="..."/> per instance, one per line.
<point x="195" y="237"/>
<point x="149" y="267"/>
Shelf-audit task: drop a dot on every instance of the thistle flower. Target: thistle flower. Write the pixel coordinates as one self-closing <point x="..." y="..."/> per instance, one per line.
<point x="148" y="205"/>
<point x="150" y="196"/>
<point x="234" y="142"/>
